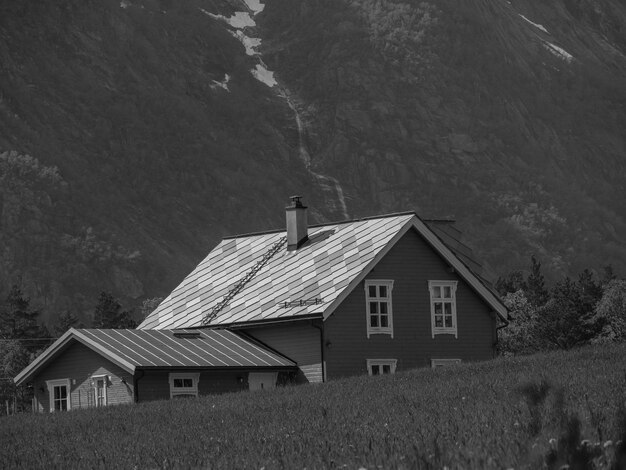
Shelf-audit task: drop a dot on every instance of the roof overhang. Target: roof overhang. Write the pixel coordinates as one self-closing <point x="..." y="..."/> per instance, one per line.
<point x="61" y="345"/>
<point x="436" y="243"/>
<point x="269" y="321"/>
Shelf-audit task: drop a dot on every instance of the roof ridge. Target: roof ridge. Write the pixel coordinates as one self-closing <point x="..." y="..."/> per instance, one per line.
<point x="339" y="222"/>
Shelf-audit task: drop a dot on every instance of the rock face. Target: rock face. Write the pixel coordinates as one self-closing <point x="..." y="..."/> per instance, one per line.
<point x="140" y="136"/>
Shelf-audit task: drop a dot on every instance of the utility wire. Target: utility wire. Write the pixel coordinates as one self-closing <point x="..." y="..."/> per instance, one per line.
<point x="27" y="339"/>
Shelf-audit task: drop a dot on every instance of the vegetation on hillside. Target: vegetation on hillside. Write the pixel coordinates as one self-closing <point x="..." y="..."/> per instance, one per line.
<point x="569" y="314"/>
<point x="540" y="411"/>
<point x="461" y="110"/>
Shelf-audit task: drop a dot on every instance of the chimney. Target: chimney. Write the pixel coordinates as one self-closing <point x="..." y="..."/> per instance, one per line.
<point x="297" y="225"/>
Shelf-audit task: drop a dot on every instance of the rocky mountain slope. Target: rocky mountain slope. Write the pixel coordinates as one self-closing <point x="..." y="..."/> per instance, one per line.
<point x="135" y="134"/>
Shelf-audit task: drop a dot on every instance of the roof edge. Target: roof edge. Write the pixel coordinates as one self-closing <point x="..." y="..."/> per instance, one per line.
<point x="240" y="325"/>
<point x="59" y="345"/>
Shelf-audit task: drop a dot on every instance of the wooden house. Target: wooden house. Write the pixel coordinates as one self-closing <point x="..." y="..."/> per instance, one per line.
<point x="368" y="296"/>
<point x="373" y="295"/>
<point x="89" y="368"/>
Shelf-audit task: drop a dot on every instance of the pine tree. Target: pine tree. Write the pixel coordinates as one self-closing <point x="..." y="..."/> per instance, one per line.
<point x="17" y="320"/>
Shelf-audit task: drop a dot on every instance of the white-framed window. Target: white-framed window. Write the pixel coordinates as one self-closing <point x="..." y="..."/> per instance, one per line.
<point x="59" y="392"/>
<point x="443" y="307"/>
<point x="184" y="384"/>
<point x="381" y="366"/>
<point x="434" y="363"/>
<point x="379" y="307"/>
<point x="100" y="383"/>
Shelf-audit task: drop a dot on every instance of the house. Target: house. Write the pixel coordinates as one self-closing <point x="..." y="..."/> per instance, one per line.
<point x="368" y="296"/>
<point x="88" y="367"/>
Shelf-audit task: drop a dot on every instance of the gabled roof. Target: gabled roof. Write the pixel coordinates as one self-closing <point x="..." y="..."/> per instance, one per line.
<point x="150" y="349"/>
<point x="236" y="285"/>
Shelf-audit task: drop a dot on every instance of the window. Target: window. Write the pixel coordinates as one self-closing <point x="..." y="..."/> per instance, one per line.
<point x="443" y="307"/>
<point x="184" y="384"/>
<point x="100" y="383"/>
<point x="434" y="363"/>
<point x="59" y="394"/>
<point x="378" y="302"/>
<point x="381" y="366"/>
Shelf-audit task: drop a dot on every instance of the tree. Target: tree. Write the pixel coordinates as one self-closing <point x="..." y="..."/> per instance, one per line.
<point x="567" y="319"/>
<point x="535" y="284"/>
<point x="610" y="312"/>
<point x="109" y="314"/>
<point x="510" y="283"/>
<point x="65" y="321"/>
<point x="23" y="339"/>
<point x="520" y="336"/>
<point x="17" y="320"/>
<point x="14" y="357"/>
<point x="149" y="305"/>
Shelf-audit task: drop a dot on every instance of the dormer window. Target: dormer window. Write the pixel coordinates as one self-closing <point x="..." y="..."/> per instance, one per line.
<point x="378" y="306"/>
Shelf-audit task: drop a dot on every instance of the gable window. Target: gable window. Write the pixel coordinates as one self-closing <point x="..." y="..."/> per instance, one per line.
<point x="378" y="304"/>
<point x="100" y="383"/>
<point x="434" y="363"/>
<point x="381" y="366"/>
<point x="443" y="307"/>
<point x="184" y="384"/>
<point x="59" y="394"/>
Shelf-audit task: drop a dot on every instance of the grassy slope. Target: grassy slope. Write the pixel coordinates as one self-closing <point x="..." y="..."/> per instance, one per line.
<point x="470" y="416"/>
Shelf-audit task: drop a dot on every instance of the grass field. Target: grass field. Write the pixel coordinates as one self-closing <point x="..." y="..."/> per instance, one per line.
<point x="493" y="415"/>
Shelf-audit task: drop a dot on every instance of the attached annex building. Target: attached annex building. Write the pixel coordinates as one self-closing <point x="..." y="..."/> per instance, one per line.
<point x="369" y="296"/>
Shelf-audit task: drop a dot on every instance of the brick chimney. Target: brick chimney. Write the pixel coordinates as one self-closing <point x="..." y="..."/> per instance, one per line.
<point x="297" y="225"/>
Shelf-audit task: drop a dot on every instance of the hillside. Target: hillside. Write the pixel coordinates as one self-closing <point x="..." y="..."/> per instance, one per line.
<point x="506" y="413"/>
<point x="151" y="137"/>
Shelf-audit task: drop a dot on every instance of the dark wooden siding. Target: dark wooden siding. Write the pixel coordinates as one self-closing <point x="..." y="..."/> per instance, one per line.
<point x="79" y="363"/>
<point x="411" y="263"/>
<point x="155" y="385"/>
<point x="299" y="341"/>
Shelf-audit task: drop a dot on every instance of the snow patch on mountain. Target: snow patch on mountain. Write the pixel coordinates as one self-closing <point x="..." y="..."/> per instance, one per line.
<point x="223" y="84"/>
<point x="255" y="5"/>
<point x="239" y="20"/>
<point x="262" y="74"/>
<point x="558" y="51"/>
<point x="249" y="43"/>
<point x="536" y="25"/>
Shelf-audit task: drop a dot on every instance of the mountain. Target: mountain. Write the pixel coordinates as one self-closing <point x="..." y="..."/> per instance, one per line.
<point x="135" y="134"/>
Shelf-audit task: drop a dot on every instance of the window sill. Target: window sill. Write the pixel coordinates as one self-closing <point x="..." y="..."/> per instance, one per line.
<point x="378" y="331"/>
<point x="446" y="331"/>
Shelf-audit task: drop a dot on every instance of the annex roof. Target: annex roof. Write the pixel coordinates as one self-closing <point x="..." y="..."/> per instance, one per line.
<point x="145" y="349"/>
<point x="254" y="278"/>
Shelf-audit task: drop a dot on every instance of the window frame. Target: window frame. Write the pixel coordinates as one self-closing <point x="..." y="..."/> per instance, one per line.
<point x="51" y="384"/>
<point x="443" y="330"/>
<point x="381" y="362"/>
<point x="177" y="391"/>
<point x="434" y="363"/>
<point x="373" y="330"/>
<point x="94" y="380"/>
